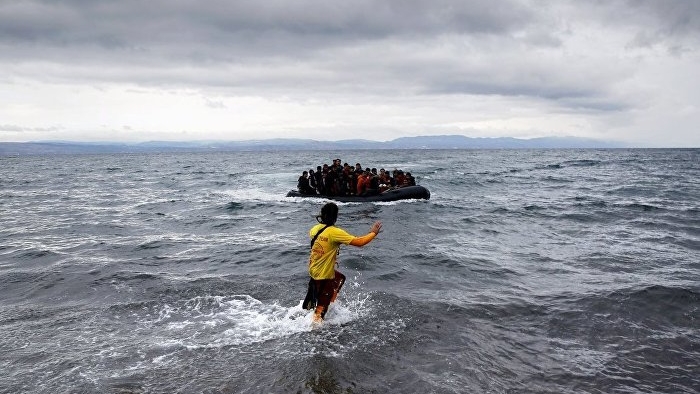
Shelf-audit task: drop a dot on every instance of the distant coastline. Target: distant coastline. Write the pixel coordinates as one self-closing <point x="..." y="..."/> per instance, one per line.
<point x="281" y="144"/>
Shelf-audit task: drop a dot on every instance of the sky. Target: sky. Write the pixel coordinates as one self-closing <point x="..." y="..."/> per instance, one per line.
<point x="176" y="70"/>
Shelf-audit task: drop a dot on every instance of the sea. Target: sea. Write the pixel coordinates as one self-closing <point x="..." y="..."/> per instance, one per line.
<point x="527" y="271"/>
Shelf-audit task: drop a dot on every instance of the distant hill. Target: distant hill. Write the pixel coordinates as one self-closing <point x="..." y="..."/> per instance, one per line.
<point x="423" y="142"/>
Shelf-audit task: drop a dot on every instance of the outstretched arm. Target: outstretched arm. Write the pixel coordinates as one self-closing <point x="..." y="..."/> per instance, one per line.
<point x="365" y="239"/>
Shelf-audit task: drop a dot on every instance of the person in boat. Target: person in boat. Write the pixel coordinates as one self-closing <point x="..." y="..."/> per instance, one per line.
<point x="374" y="182"/>
<point x="303" y="184"/>
<point x="312" y="180"/>
<point x="358" y="168"/>
<point x="399" y="178"/>
<point x="326" y="184"/>
<point x="326" y="280"/>
<point x="335" y="172"/>
<point x="319" y="180"/>
<point x="351" y="184"/>
<point x="409" y="180"/>
<point x="363" y="182"/>
<point x="331" y="184"/>
<point x="384" y="180"/>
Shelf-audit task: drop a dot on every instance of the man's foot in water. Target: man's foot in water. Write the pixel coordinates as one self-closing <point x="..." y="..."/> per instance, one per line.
<point x="318" y="316"/>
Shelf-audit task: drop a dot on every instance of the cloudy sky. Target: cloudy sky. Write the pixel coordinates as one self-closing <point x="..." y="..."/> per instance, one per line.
<point x="134" y="70"/>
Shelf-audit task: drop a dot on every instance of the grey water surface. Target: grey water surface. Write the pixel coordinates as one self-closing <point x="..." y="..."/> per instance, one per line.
<point x="528" y="271"/>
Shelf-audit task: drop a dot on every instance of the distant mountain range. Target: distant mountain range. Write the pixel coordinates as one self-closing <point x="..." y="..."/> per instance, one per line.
<point x="424" y="142"/>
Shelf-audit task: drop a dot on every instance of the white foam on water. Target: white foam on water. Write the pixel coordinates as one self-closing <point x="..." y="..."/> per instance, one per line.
<point x="399" y="202"/>
<point x="237" y="320"/>
<point x="251" y="321"/>
<point x="346" y="310"/>
<point x="243" y="323"/>
<point x="256" y="194"/>
<point x="163" y="359"/>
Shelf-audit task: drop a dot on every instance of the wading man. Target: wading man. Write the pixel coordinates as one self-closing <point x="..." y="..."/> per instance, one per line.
<point x="326" y="238"/>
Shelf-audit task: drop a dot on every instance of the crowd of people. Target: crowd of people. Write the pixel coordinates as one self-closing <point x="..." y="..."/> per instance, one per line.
<point x="345" y="180"/>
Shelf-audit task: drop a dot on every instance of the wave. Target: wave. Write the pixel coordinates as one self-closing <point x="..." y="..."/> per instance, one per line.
<point x="659" y="298"/>
<point x="582" y="163"/>
<point x="235" y="206"/>
<point x="647" y="308"/>
<point x="238" y="320"/>
<point x="553" y="179"/>
<point x="154" y="244"/>
<point x="588" y="201"/>
<point x="640" y="206"/>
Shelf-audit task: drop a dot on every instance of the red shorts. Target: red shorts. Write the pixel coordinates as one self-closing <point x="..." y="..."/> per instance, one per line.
<point x="323" y="291"/>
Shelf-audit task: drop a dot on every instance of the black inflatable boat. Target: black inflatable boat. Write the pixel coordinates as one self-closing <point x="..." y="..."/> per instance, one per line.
<point x="402" y="193"/>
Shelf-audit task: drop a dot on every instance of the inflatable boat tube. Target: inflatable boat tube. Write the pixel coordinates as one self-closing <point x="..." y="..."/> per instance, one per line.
<point x="403" y="193"/>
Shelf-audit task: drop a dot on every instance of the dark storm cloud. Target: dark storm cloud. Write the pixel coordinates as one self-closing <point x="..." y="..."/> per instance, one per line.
<point x="239" y="44"/>
<point x="139" y="24"/>
<point x="415" y="46"/>
<point x="672" y="18"/>
<point x="167" y="25"/>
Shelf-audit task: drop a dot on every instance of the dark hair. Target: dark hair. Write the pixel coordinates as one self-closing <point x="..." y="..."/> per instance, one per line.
<point x="329" y="214"/>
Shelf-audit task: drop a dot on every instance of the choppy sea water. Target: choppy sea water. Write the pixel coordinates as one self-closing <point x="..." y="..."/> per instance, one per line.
<point x="528" y="271"/>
